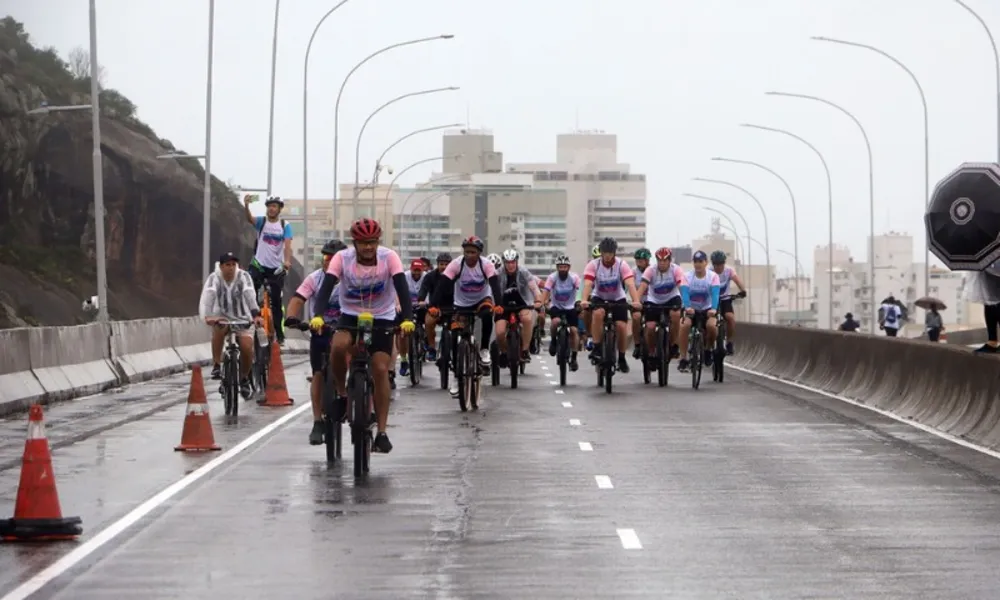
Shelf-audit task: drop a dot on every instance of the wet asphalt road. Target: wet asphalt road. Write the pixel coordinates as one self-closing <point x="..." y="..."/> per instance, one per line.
<point x="739" y="490"/>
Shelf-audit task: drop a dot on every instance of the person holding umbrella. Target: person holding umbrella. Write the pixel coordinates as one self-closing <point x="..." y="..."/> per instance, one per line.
<point x="933" y="324"/>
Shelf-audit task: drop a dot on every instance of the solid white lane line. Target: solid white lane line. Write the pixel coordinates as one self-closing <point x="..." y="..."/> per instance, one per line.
<point x="603" y="482"/>
<point x="586" y="447"/>
<point x="574" y="422"/>
<point x="630" y="541"/>
<point x="112" y="531"/>
<point x="567" y="405"/>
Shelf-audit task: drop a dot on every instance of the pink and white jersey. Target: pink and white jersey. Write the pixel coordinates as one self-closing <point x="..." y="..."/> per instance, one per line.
<point x="367" y="289"/>
<point x="562" y="291"/>
<point x="700" y="288"/>
<point x="725" y="277"/>
<point x="608" y="280"/>
<point x="663" y="286"/>
<point x="310" y="285"/>
<point x="473" y="283"/>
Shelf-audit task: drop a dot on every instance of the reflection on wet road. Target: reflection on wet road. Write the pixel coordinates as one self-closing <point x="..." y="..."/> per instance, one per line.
<point x="732" y="491"/>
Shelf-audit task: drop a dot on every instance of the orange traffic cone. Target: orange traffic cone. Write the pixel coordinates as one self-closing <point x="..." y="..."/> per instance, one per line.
<point x="197" y="435"/>
<point x="37" y="515"/>
<point x="276" y="393"/>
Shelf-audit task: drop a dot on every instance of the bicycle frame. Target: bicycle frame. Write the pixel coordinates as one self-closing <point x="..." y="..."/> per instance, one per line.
<point x="231" y="365"/>
<point x="462" y="337"/>
<point x="608" y="365"/>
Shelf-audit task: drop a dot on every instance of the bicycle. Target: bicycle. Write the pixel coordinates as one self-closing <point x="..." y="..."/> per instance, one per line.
<point x="562" y="350"/>
<point x="696" y="346"/>
<point x="417" y="352"/>
<point x="230" y="386"/>
<point x="719" y="353"/>
<point x="262" y="345"/>
<point x="536" y="335"/>
<point x="333" y="411"/>
<point x="468" y="367"/>
<point x="361" y="395"/>
<point x="514" y="362"/>
<point x="608" y="366"/>
<point x="662" y="357"/>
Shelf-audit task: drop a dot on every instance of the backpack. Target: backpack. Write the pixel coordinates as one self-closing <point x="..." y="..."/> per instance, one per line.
<point x="261" y="230"/>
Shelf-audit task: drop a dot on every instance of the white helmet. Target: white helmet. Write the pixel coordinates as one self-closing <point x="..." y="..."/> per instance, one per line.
<point x="562" y="259"/>
<point x="510" y="255"/>
<point x="495" y="259"/>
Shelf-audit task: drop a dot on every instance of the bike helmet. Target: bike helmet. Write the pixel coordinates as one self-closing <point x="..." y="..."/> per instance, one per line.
<point x="444" y="257"/>
<point x="510" y="255"/>
<point x="595" y="252"/>
<point x="663" y="253"/>
<point x="366" y="229"/>
<point x="333" y="247"/>
<point x="718" y="257"/>
<point x="642" y="254"/>
<point x="698" y="256"/>
<point x="608" y="244"/>
<point x="562" y="259"/>
<point x="274" y="200"/>
<point x="496" y="260"/>
<point x="474" y="242"/>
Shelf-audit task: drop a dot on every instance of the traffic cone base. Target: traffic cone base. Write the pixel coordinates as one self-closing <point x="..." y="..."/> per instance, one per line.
<point x="37" y="514"/>
<point x="197" y="435"/>
<point x="276" y="393"/>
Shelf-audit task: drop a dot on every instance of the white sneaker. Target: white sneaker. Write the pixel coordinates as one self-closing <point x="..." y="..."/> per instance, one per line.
<point x="484" y="356"/>
<point x="453" y="389"/>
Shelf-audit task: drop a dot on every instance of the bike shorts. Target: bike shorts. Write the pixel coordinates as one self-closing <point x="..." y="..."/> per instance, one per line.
<point x="619" y="309"/>
<point x="239" y="331"/>
<point x="382" y="335"/>
<point x="699" y="318"/>
<point x="653" y="311"/>
<point x="511" y="310"/>
<point x="319" y="344"/>
<point x="570" y="315"/>
<point x="726" y="306"/>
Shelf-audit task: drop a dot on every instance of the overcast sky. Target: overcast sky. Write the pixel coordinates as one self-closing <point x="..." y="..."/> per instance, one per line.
<point x="673" y="79"/>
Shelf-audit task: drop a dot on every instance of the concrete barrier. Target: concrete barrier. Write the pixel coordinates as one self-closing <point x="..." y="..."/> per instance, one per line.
<point x="938" y="385"/>
<point x="192" y="340"/>
<point x="72" y="361"/>
<point x="19" y="388"/>
<point x="144" y="349"/>
<point x="967" y="337"/>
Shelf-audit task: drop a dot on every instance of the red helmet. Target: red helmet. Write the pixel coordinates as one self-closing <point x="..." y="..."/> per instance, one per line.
<point x="663" y="253"/>
<point x="417" y="264"/>
<point x="366" y="229"/>
<point x="474" y="242"/>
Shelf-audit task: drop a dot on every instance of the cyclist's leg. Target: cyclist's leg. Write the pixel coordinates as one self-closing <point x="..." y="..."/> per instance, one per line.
<point x="711" y="331"/>
<point x="381" y="349"/>
<point x="682" y="339"/>
<point x="675" y="305"/>
<point x="527" y="318"/>
<point x="276" y="285"/>
<point x="621" y="313"/>
<point x="636" y="332"/>
<point x="342" y="350"/>
<point x="726" y="310"/>
<point x="245" y="339"/>
<point x="485" y="311"/>
<point x="218" y="339"/>
<point x="256" y="275"/>
<point x="653" y="313"/>
<point x="318" y="345"/>
<point x="500" y="326"/>
<point x="555" y="317"/>
<point x="596" y="325"/>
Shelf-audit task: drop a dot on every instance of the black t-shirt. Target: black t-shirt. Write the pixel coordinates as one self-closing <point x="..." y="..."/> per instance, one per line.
<point x="850" y="325"/>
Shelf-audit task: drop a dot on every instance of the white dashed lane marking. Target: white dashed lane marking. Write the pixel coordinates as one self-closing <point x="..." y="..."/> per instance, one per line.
<point x="603" y="482"/>
<point x="567" y="405"/>
<point x="574" y="422"/>
<point x="560" y="392"/>
<point x="630" y="541"/>
<point x="586" y="447"/>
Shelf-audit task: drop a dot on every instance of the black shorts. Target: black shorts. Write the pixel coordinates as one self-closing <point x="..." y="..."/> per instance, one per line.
<point x="571" y="315"/>
<point x="652" y="311"/>
<point x="700" y="317"/>
<point x="509" y="310"/>
<point x="726" y="306"/>
<point x="619" y="309"/>
<point x="382" y="334"/>
<point x="318" y="344"/>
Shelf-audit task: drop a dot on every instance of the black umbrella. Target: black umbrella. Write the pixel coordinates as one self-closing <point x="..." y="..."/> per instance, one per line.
<point x="963" y="218"/>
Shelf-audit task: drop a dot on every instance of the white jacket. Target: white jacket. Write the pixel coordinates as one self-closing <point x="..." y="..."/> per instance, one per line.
<point x="235" y="300"/>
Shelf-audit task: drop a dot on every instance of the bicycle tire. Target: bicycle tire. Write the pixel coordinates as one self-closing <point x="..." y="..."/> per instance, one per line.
<point x="474" y="383"/>
<point x="328" y="401"/>
<point x="513" y="355"/>
<point x="697" y="358"/>
<point x="359" y="392"/>
<point x="461" y="364"/>
<point x="232" y="379"/>
<point x="610" y="357"/>
<point x="718" y="368"/>
<point x="644" y="357"/>
<point x="662" y="355"/>
<point x="562" y="353"/>
<point x="415" y="359"/>
<point x="444" y="356"/>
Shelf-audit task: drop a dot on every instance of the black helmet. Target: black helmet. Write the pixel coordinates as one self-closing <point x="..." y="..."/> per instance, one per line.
<point x="608" y="244"/>
<point x="333" y="247"/>
<point x="274" y="200"/>
<point x="444" y="257"/>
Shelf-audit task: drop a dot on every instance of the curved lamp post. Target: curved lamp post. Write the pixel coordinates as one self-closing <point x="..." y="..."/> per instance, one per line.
<point x="749" y="252"/>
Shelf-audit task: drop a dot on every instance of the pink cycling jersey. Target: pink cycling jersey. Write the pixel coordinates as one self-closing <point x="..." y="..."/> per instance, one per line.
<point x="310" y="285"/>
<point x="473" y="285"/>
<point x="563" y="291"/>
<point x="364" y="288"/>
<point x="608" y="280"/>
<point x="662" y="287"/>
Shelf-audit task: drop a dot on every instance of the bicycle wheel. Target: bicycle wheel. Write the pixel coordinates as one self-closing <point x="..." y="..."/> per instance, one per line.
<point x="513" y="355"/>
<point x="662" y="355"/>
<point x="610" y="357"/>
<point x="444" y="356"/>
<point x="359" y="392"/>
<point x="474" y="381"/>
<point x="644" y="356"/>
<point x="232" y="385"/>
<point x="719" y="353"/>
<point x="697" y="358"/>
<point x="415" y="358"/>
<point x="461" y="367"/>
<point x="333" y="413"/>
<point x="562" y="353"/>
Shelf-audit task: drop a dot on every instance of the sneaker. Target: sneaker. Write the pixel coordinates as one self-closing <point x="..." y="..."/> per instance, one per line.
<point x="216" y="372"/>
<point x="245" y="388"/>
<point x="432" y="355"/>
<point x="987" y="349"/>
<point x="729" y="348"/>
<point x="683" y="365"/>
<point x="709" y="356"/>
<point x="526" y="357"/>
<point x="675" y="351"/>
<point x="404" y="368"/>
<point x="316" y="435"/>
<point x="453" y="389"/>
<point x="382" y="445"/>
<point x="623" y="363"/>
<point x="636" y="352"/>
<point x="574" y="366"/>
<point x="484" y="357"/>
<point x="392" y="380"/>
<point x="552" y="346"/>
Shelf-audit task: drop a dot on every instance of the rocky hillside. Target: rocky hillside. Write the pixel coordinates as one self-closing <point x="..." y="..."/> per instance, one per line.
<point x="153" y="207"/>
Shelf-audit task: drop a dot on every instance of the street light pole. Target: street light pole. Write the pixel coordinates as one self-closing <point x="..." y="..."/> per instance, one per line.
<point x="98" y="163"/>
<point x="829" y="193"/>
<point x="873" y="312"/>
<point x="767" y="236"/>
<point x="996" y="62"/>
<point x="274" y="72"/>
<point x="305" y="133"/>
<point x="927" y="143"/>
<point x="378" y="163"/>
<point x="795" y="216"/>
<point x="207" y="208"/>
<point x="357" y="145"/>
<point x="336" y="110"/>
<point x="731" y="228"/>
<point x="749" y="250"/>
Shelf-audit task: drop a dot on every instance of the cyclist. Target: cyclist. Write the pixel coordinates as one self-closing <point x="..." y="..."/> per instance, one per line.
<point x="701" y="301"/>
<point x="228" y="295"/>
<point x="272" y="256"/>
<point x="370" y="274"/>
<point x="661" y="290"/>
<point x="641" y="256"/>
<point x="427" y="287"/>
<point x="413" y="280"/>
<point x="560" y="289"/>
<point x="727" y="275"/>
<point x="475" y="284"/>
<point x="595" y="253"/>
<point x="603" y="279"/>
<point x="539" y="313"/>
<point x="319" y="343"/>
<point x="520" y="292"/>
